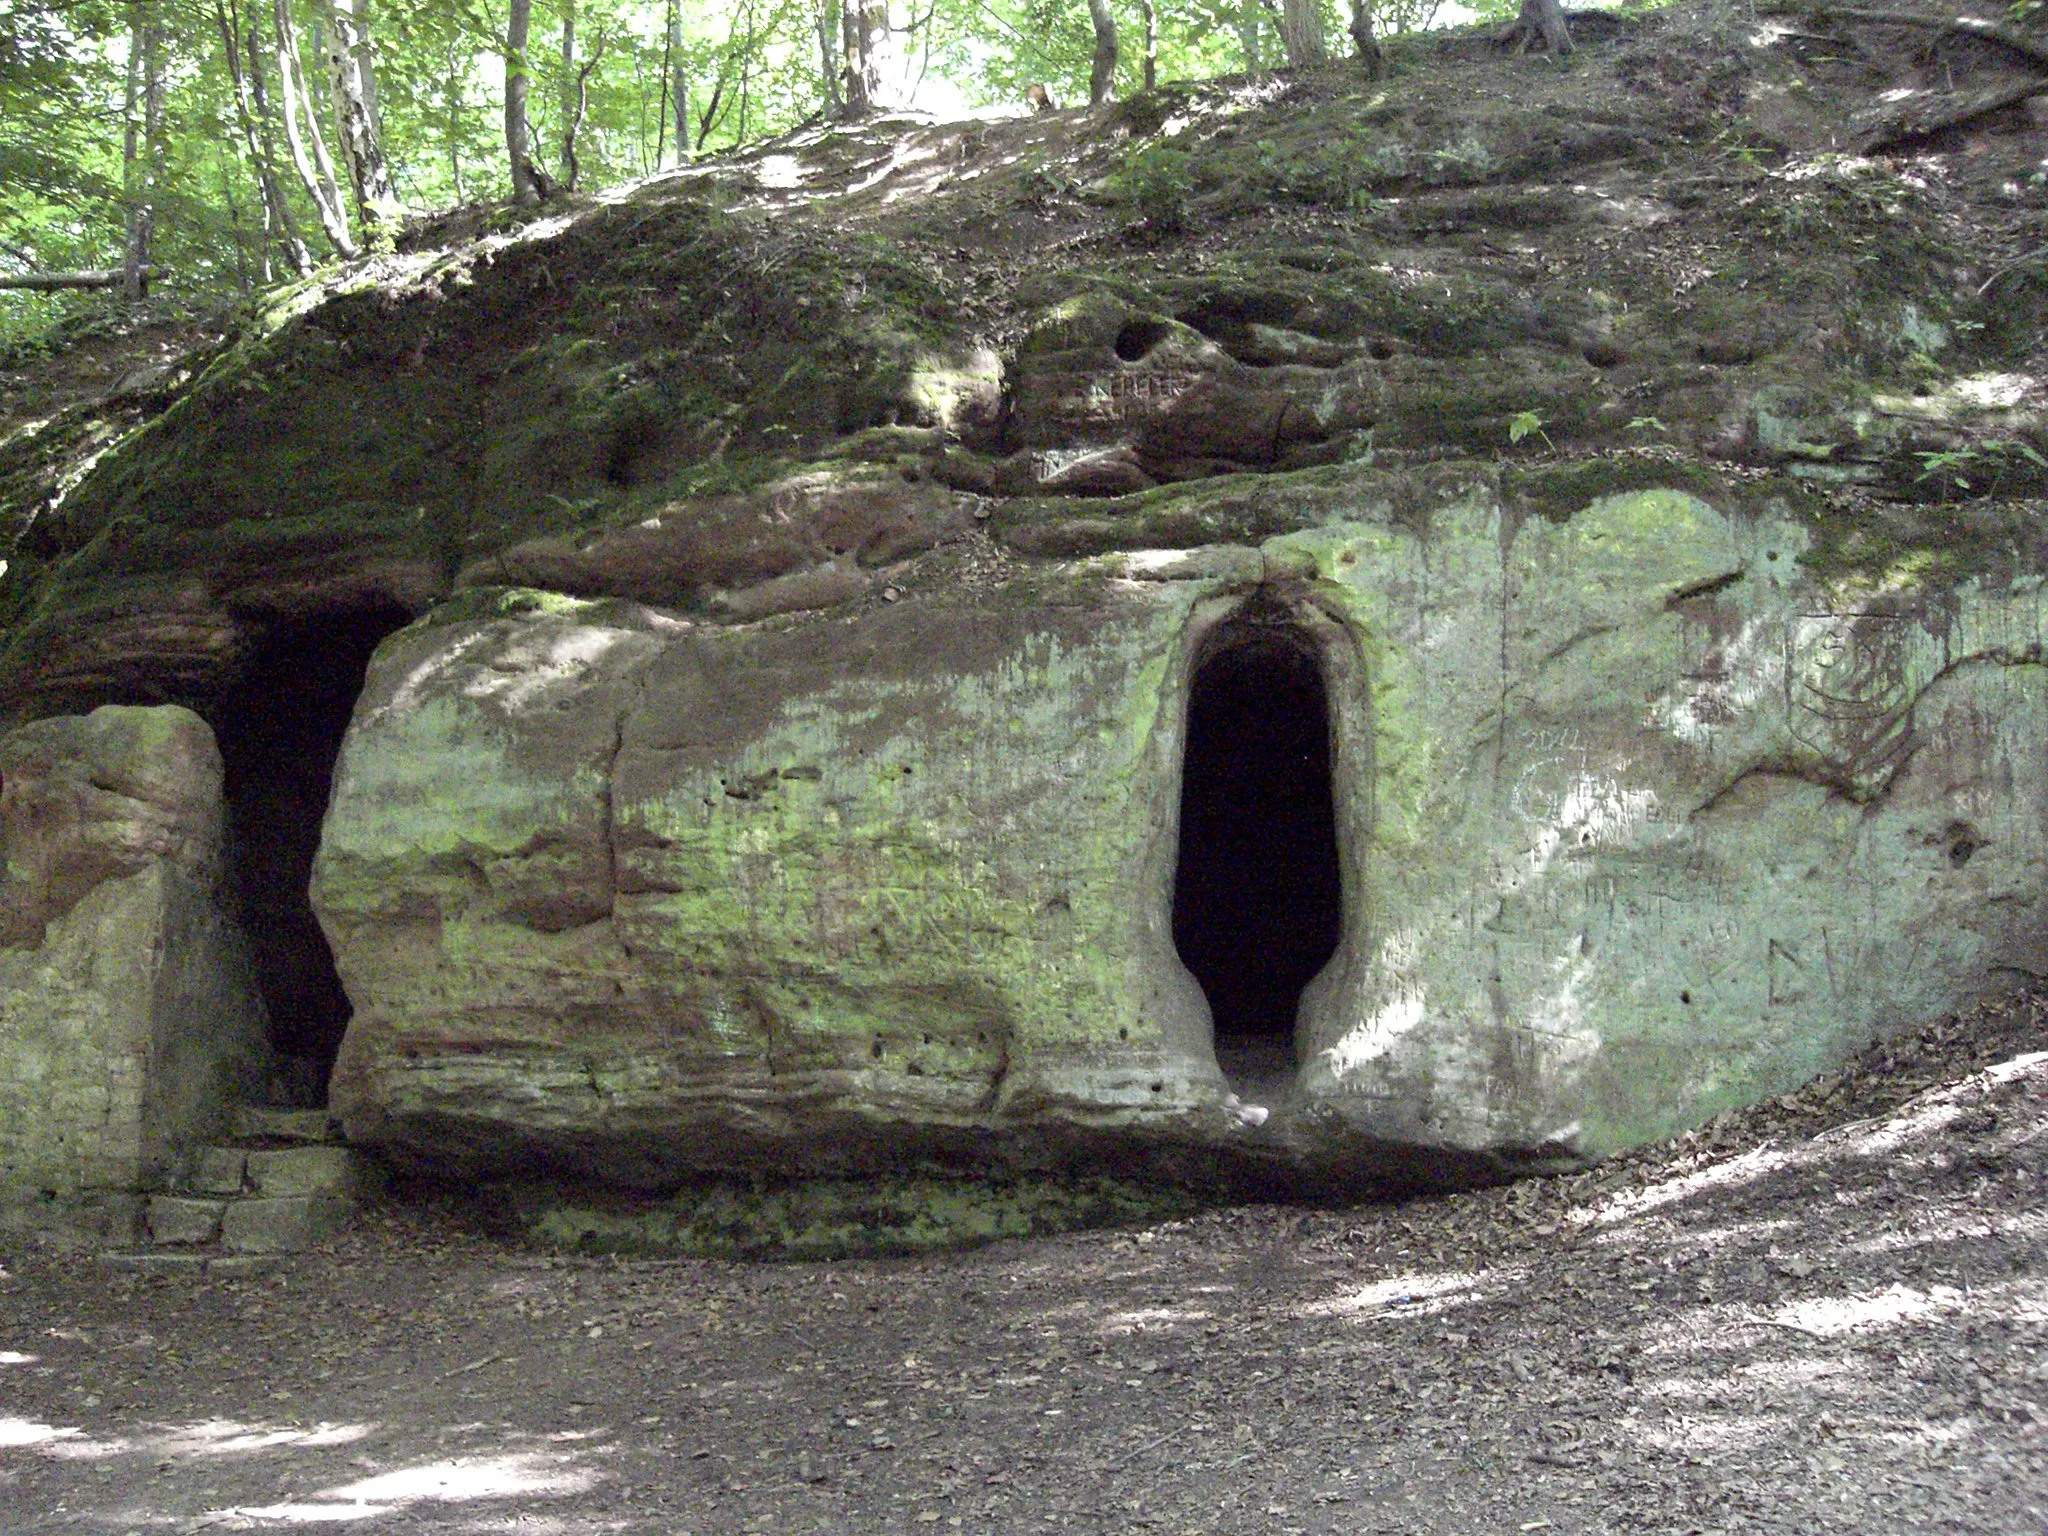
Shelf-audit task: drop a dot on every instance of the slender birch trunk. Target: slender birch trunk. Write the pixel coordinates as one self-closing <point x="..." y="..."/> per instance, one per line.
<point x="141" y="142"/>
<point x="301" y="125"/>
<point x="828" y="62"/>
<point x="576" y="94"/>
<point x="679" y="91"/>
<point x="572" y="96"/>
<point x="518" y="23"/>
<point x="1148" y="12"/>
<point x="362" y="153"/>
<point x="451" y="110"/>
<point x="134" y="239"/>
<point x="252" y="117"/>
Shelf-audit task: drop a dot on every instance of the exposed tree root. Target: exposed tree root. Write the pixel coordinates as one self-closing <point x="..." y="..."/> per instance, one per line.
<point x="1911" y="126"/>
<point x="1964" y="26"/>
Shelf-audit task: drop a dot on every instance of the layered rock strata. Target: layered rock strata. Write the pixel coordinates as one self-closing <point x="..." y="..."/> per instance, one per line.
<point x="128" y="1017"/>
<point x="1639" y="817"/>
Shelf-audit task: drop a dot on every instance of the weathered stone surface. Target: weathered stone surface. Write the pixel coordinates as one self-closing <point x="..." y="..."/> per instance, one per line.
<point x="284" y="1225"/>
<point x="175" y="1220"/>
<point x="90" y="1218"/>
<point x="257" y="1122"/>
<point x="220" y="1171"/>
<point x="649" y="897"/>
<point x="1642" y="813"/>
<point x="310" y="1171"/>
<point x="127" y="1016"/>
<point x="1662" y="774"/>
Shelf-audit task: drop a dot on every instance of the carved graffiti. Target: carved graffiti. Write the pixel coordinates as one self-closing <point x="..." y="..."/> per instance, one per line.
<point x="1851" y="693"/>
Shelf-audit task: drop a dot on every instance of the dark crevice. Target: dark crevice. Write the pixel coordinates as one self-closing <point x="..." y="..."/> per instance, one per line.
<point x="280" y="725"/>
<point x="1257" y="892"/>
<point x="1138" y="337"/>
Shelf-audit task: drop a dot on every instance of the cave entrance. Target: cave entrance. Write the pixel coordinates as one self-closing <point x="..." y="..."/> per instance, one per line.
<point x="1258" y="894"/>
<point x="280" y="724"/>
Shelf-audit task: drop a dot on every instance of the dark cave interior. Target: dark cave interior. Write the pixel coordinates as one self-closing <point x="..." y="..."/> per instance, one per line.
<point x="280" y="723"/>
<point x="1257" y="898"/>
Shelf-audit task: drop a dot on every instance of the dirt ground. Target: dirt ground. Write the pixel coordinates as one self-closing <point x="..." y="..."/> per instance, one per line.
<point x="1825" y="1314"/>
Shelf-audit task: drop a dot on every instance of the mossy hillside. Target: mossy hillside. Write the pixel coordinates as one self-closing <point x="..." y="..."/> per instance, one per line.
<point x="533" y="379"/>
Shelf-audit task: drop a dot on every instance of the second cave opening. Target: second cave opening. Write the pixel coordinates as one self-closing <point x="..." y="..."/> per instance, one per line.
<point x="280" y="725"/>
<point x="1258" y="892"/>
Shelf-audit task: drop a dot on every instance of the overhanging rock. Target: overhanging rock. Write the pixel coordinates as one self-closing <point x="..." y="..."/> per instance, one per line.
<point x="1640" y="815"/>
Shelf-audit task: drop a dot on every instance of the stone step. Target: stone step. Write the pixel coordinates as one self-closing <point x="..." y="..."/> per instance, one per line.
<point x="263" y="1123"/>
<point x="260" y="1224"/>
<point x="306" y="1170"/>
<point x="263" y="1200"/>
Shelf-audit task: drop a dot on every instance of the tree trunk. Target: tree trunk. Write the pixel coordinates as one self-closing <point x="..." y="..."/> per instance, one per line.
<point x="1102" y="73"/>
<point x="1149" y="13"/>
<point x="671" y="41"/>
<point x="252" y="116"/>
<point x="1368" y="46"/>
<point x="233" y="205"/>
<point x="679" y="92"/>
<point x="348" y="65"/>
<point x="1540" y="21"/>
<point x="319" y="139"/>
<point x="134" y="239"/>
<point x="366" y="60"/>
<point x="859" y="76"/>
<point x="141" y="142"/>
<point x="519" y="19"/>
<point x="1301" y="32"/>
<point x="301" y="126"/>
<point x="746" y="75"/>
<point x="572" y="96"/>
<point x="577" y="102"/>
<point x="451" y="113"/>
<point x="828" y="61"/>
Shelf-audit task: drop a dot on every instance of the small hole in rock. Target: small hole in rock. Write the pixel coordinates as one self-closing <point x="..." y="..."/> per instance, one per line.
<point x="1139" y="337"/>
<point x="1379" y="351"/>
<point x="1686" y="998"/>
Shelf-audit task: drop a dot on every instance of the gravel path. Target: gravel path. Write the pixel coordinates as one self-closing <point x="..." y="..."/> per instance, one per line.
<point x="1828" y="1314"/>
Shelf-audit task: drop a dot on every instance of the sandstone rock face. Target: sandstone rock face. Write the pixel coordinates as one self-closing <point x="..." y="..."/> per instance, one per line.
<point x="1641" y="814"/>
<point x="127" y="1013"/>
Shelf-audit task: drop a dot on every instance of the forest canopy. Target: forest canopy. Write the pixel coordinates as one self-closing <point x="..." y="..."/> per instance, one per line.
<point x="203" y="149"/>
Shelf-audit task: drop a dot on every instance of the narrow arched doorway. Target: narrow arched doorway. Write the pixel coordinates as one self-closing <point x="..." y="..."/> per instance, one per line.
<point x="1258" y="892"/>
<point x="279" y="724"/>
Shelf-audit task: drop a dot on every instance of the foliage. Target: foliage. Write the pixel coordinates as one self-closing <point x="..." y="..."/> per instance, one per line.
<point x="1529" y="424"/>
<point x="1155" y="181"/>
<point x="1990" y="461"/>
<point x="748" y="69"/>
